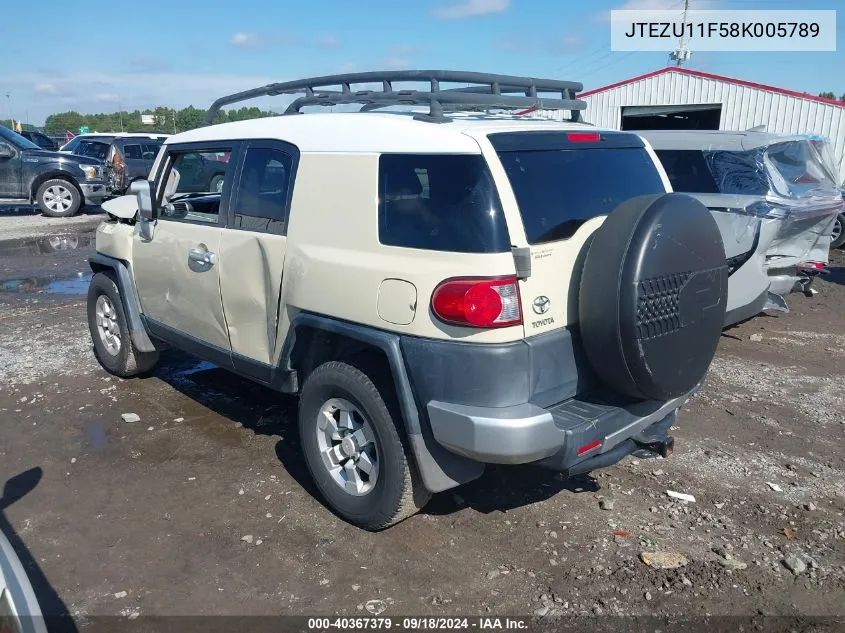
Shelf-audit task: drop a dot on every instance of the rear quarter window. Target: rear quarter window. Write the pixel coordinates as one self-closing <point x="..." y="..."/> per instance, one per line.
<point x="557" y="190"/>
<point x="441" y="203"/>
<point x="687" y="170"/>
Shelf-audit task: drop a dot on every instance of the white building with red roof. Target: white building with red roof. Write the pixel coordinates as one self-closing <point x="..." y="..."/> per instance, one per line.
<point x="681" y="98"/>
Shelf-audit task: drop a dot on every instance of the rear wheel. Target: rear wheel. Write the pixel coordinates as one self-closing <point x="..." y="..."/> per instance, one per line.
<point x="58" y="198"/>
<point x="838" y="235"/>
<point x="113" y="345"/>
<point x="354" y="448"/>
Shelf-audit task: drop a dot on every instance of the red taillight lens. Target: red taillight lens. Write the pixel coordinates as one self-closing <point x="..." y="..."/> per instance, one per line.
<point x="478" y="302"/>
<point x="811" y="266"/>
<point x="583" y="137"/>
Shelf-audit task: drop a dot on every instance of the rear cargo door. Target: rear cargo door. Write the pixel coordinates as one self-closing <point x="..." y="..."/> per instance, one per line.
<point x="564" y="184"/>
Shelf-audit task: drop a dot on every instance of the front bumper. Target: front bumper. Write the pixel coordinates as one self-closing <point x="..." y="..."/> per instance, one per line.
<point x="561" y="436"/>
<point x="94" y="192"/>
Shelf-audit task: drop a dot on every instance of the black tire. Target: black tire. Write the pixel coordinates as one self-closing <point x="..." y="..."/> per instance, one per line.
<point x="838" y="231"/>
<point x="58" y="198"/>
<point x="652" y="297"/>
<point x="215" y="182"/>
<point x="127" y="361"/>
<point x="398" y="492"/>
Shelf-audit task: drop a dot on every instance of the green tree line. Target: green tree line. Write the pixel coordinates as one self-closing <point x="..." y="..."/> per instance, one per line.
<point x="830" y="95"/>
<point x="166" y="120"/>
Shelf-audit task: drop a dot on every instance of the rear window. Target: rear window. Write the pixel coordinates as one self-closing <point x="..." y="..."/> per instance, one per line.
<point x="558" y="190"/>
<point x="687" y="170"/>
<point x="441" y="203"/>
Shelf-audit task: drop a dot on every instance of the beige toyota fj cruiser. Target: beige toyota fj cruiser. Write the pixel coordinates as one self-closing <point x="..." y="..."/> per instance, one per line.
<point x="443" y="288"/>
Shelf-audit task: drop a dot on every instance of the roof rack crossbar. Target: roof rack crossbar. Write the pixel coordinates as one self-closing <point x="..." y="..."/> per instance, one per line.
<point x="490" y="90"/>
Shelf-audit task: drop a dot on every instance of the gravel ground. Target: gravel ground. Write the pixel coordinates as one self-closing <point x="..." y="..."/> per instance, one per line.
<point x="204" y="505"/>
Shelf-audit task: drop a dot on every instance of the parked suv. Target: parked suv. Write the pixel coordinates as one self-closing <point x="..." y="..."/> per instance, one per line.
<point x="106" y="137"/>
<point x="58" y="183"/>
<point x="441" y="290"/>
<point x="127" y="158"/>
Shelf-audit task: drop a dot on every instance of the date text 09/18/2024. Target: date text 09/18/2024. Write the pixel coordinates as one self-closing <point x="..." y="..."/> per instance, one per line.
<point x="416" y="623"/>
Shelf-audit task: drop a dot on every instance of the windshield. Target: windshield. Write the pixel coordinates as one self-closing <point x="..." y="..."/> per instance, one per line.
<point x="16" y="139"/>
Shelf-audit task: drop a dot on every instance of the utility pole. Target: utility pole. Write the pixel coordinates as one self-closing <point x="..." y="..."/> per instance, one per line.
<point x="11" y="115"/>
<point x="682" y="53"/>
<point x="120" y="115"/>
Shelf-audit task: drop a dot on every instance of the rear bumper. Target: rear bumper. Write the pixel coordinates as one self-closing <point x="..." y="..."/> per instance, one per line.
<point x="560" y="437"/>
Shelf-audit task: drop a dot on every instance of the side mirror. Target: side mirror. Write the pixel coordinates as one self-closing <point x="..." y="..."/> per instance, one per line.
<point x="145" y="191"/>
<point x="6" y="151"/>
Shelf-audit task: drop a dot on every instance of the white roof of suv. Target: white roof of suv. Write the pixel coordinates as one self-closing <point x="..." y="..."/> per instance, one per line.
<point x="382" y="132"/>
<point x="716" y="139"/>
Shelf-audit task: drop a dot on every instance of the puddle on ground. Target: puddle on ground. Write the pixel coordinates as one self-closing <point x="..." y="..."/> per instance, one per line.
<point x="75" y="285"/>
<point x="47" y="244"/>
<point x="95" y="433"/>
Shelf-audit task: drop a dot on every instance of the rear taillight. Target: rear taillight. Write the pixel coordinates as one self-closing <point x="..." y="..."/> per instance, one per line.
<point x="489" y="302"/>
<point x="811" y="266"/>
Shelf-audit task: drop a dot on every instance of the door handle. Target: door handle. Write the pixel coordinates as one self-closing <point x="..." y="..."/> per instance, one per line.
<point x="202" y="257"/>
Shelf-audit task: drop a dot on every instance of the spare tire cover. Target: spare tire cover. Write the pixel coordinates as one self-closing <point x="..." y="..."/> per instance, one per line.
<point x="652" y="297"/>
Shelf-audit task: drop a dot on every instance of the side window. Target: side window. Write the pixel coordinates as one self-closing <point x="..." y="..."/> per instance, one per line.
<point x="193" y="187"/>
<point x="149" y="151"/>
<point x="132" y="152"/>
<point x="440" y="203"/>
<point x="261" y="199"/>
<point x="687" y="171"/>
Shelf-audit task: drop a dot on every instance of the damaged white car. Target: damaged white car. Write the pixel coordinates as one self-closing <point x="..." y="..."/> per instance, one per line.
<point x="775" y="199"/>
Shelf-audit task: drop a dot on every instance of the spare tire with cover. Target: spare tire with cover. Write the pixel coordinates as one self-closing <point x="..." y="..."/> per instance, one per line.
<point x="653" y="296"/>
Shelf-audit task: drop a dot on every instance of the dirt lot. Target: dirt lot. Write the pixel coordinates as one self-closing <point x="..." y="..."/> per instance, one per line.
<point x="204" y="505"/>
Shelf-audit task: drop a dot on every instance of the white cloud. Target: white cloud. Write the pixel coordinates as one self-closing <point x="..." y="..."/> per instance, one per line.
<point x="469" y="8"/>
<point x="244" y="39"/>
<point x="399" y="63"/>
<point x="106" y="97"/>
<point x="148" y="64"/>
<point x="570" y="43"/>
<point x="328" y="41"/>
<point x="401" y="57"/>
<point x="87" y="92"/>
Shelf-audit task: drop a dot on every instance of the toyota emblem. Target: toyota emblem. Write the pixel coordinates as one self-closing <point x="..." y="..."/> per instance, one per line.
<point x="541" y="304"/>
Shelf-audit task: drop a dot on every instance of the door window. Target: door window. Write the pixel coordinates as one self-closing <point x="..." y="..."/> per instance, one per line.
<point x="193" y="187"/>
<point x="262" y="196"/>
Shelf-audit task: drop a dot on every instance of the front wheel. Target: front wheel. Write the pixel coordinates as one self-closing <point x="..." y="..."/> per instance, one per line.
<point x="216" y="185"/>
<point x="354" y="448"/>
<point x="58" y="198"/>
<point x="113" y="345"/>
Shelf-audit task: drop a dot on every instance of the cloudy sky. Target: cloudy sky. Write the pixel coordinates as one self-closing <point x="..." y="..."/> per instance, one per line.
<point x="188" y="53"/>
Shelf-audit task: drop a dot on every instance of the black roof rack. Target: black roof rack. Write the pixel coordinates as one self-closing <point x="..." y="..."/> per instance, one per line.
<point x="489" y="91"/>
